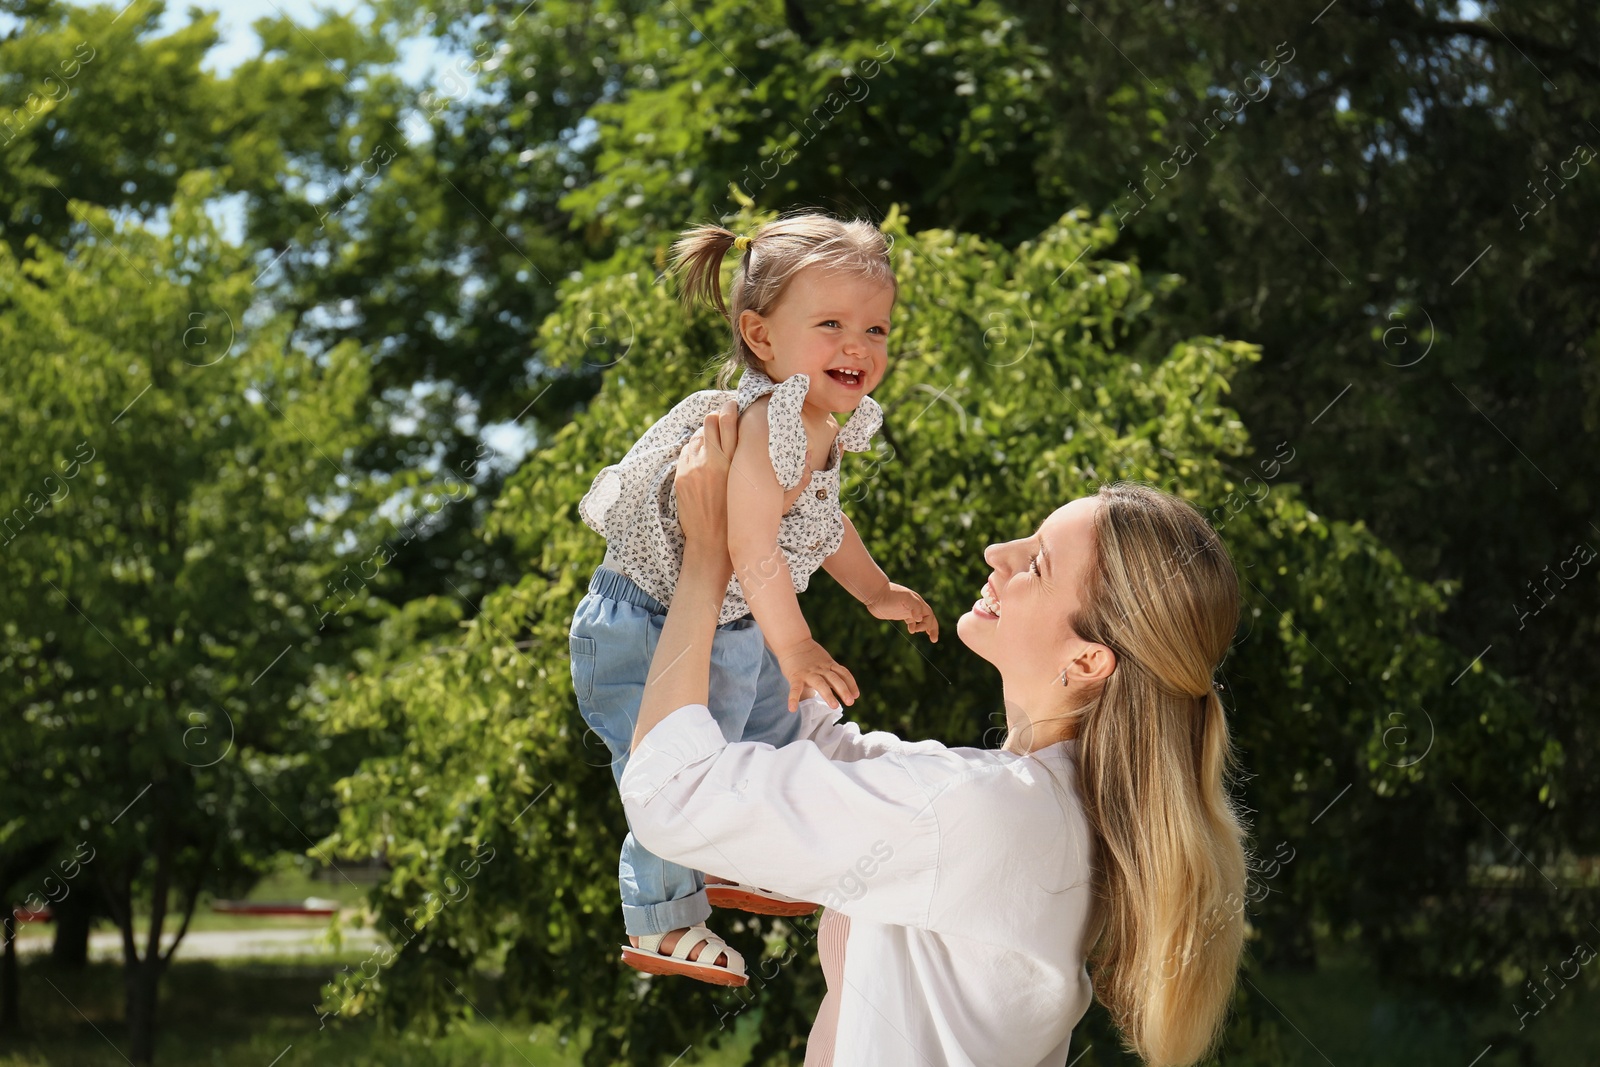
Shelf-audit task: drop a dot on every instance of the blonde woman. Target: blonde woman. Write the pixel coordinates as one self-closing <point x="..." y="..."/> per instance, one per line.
<point x="1097" y="853"/>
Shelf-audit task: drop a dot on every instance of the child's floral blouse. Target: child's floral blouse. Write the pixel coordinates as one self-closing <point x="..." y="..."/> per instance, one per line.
<point x="632" y="504"/>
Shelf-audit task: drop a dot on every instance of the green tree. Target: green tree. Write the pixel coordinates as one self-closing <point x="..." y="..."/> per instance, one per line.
<point x="1392" y="202"/>
<point x="179" y="520"/>
<point x="1019" y="379"/>
<point x="330" y="157"/>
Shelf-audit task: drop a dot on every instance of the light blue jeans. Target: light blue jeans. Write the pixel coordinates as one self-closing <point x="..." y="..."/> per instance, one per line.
<point x="614" y="635"/>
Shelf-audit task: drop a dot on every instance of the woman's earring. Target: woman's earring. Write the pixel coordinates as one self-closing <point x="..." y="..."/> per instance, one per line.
<point x="1062" y="677"/>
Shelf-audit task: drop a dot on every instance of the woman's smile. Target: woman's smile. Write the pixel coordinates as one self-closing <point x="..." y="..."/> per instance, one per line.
<point x="988" y="605"/>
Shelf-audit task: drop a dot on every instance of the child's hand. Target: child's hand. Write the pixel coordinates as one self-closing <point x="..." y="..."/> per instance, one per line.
<point x="809" y="666"/>
<point x="897" y="603"/>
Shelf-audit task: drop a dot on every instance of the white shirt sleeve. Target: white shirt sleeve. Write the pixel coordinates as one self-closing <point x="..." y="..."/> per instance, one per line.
<point x="840" y="740"/>
<point x="859" y="836"/>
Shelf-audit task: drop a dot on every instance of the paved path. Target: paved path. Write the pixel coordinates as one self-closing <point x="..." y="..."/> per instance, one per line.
<point x="221" y="944"/>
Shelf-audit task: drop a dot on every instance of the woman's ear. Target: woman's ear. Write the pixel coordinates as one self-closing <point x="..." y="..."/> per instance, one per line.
<point x="1093" y="663"/>
<point x="757" y="337"/>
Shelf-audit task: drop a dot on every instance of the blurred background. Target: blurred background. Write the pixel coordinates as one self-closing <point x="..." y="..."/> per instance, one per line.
<point x="316" y="320"/>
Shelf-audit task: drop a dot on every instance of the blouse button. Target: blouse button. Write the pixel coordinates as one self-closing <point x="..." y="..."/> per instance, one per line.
<point x="822" y="494"/>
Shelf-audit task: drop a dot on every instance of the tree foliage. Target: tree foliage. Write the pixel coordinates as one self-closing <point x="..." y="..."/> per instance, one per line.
<point x="178" y="518"/>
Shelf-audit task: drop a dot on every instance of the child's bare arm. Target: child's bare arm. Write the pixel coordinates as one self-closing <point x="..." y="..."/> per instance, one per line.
<point x="755" y="511"/>
<point x="853" y="567"/>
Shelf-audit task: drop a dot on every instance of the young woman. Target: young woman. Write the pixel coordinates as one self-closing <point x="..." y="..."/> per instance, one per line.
<point x="1102" y="834"/>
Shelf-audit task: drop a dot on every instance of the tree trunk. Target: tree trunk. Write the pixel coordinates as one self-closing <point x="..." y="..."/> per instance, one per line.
<point x="142" y="975"/>
<point x="142" y="991"/>
<point x="10" y="1014"/>
<point x="74" y="917"/>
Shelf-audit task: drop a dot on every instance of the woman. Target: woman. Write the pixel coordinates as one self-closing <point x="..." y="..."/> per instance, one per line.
<point x="972" y="887"/>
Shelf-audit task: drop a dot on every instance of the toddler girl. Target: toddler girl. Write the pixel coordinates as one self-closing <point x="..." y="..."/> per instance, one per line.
<point x="811" y="299"/>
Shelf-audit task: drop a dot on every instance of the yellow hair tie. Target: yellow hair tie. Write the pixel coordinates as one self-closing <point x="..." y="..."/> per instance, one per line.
<point x="742" y="242"/>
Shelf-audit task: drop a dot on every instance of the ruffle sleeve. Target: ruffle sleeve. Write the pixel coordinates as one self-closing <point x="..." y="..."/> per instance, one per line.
<point x="597" y="502"/>
<point x="864" y="421"/>
<point x="786" y="431"/>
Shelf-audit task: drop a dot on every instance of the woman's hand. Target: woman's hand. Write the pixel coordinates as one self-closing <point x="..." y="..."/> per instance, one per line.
<point x="701" y="482"/>
<point x="680" y="669"/>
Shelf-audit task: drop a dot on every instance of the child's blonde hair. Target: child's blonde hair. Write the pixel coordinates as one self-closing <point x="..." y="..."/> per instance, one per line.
<point x="773" y="255"/>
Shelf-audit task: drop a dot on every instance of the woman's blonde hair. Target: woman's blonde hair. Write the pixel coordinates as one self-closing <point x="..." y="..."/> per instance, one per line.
<point x="1153" y="754"/>
<point x="774" y="254"/>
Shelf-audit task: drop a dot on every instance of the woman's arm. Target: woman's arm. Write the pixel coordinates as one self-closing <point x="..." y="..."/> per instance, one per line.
<point x="680" y="672"/>
<point x="860" y="836"/>
<point x="842" y="740"/>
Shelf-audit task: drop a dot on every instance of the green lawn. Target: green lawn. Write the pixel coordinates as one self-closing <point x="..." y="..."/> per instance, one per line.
<point x="1339" y="1015"/>
<point x="258" y="1012"/>
<point x="255" y="1012"/>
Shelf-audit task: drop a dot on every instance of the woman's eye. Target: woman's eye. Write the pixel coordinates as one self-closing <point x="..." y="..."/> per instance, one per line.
<point x="1033" y="566"/>
<point x="829" y="322"/>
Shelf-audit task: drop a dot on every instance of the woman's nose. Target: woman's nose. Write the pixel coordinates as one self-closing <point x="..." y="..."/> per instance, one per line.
<point x="1000" y="557"/>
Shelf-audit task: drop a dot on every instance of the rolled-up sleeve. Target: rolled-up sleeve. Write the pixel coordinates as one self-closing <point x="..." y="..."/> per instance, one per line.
<point x="861" y="837"/>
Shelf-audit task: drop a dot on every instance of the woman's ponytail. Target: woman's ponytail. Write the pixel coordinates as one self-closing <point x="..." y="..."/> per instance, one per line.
<point x="1154" y="757"/>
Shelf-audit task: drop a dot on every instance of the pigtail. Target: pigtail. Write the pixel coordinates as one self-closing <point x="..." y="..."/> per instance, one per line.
<point x="774" y="252"/>
<point x="697" y="259"/>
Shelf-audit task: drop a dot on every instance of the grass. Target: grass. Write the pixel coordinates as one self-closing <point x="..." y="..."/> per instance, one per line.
<point x="259" y="1012"/>
<point x="1339" y="1015"/>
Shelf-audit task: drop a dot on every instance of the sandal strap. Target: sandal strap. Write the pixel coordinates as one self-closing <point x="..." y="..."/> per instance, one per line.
<point x="714" y="947"/>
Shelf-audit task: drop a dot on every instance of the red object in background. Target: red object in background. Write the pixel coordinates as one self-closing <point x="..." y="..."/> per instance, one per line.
<point x="311" y="906"/>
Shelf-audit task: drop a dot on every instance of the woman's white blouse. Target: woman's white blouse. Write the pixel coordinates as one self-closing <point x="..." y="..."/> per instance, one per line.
<point x="633" y="506"/>
<point x="964" y="876"/>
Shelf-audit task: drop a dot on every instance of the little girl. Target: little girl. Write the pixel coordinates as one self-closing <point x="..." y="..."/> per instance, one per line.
<point x="811" y="299"/>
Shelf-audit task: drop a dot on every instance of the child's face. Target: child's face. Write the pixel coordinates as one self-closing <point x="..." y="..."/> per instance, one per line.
<point x="825" y="326"/>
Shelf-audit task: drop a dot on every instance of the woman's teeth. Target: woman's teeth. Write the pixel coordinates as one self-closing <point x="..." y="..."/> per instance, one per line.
<point x="990" y="604"/>
<point x="847" y="377"/>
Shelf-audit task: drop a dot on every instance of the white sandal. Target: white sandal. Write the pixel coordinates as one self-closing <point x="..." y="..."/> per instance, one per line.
<point x="754" y="899"/>
<point x="647" y="957"/>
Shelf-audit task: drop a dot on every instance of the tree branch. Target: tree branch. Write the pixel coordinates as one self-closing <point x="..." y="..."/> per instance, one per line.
<point x="1442" y="28"/>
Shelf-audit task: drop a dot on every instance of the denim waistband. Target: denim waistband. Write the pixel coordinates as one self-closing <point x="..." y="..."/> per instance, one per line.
<point x="615" y="585"/>
<point x="618" y="586"/>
